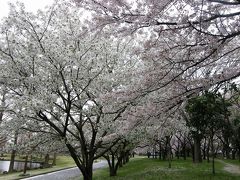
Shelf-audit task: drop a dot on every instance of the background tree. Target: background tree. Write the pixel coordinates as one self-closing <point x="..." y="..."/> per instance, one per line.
<point x="206" y="116"/>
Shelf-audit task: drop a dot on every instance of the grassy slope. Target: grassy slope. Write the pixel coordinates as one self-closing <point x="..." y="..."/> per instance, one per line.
<point x="152" y="169"/>
<point x="62" y="163"/>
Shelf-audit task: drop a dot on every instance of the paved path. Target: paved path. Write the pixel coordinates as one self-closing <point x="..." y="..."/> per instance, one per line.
<point x="231" y="168"/>
<point x="65" y="174"/>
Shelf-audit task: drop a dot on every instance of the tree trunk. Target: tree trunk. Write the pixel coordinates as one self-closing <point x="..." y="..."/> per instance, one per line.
<point x="213" y="155"/>
<point x="25" y="165"/>
<point x="127" y="156"/>
<point x="192" y="149"/>
<point x="46" y="161"/>
<point x="178" y="150"/>
<point x="113" y="166"/>
<point x="197" y="150"/>
<point x="184" y="151"/>
<point x="121" y="163"/>
<point x="168" y="151"/>
<point x="204" y="148"/>
<point x="30" y="166"/>
<point x="208" y="154"/>
<point x="11" y="166"/>
<point x="226" y="150"/>
<point x="54" y="159"/>
<point x="239" y="154"/>
<point x="234" y="154"/>
<point x="188" y="152"/>
<point x="113" y="172"/>
<point x="87" y="174"/>
<point x="160" y="150"/>
<point x="13" y="154"/>
<point x="86" y="168"/>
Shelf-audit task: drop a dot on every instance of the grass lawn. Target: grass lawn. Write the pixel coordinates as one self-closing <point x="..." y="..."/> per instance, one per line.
<point x="62" y="163"/>
<point x="154" y="169"/>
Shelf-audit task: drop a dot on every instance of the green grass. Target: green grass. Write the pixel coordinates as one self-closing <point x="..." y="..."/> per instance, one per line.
<point x="147" y="169"/>
<point x="154" y="169"/>
<point x="62" y="163"/>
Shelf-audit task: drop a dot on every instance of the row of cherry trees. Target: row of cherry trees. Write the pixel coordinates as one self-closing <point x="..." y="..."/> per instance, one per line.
<point x="101" y="76"/>
<point x="211" y="128"/>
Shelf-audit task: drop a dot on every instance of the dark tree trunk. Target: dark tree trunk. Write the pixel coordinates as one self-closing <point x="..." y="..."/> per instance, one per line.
<point x="204" y="154"/>
<point x="168" y="146"/>
<point x="208" y="154"/>
<point x="54" y="159"/>
<point x="113" y="166"/>
<point x="11" y="166"/>
<point x="165" y="153"/>
<point x="25" y="165"/>
<point x="178" y="150"/>
<point x="46" y="160"/>
<point x="184" y="152"/>
<point x="213" y="154"/>
<point x="13" y="154"/>
<point x="239" y="154"/>
<point x="124" y="160"/>
<point x="113" y="172"/>
<point x="87" y="174"/>
<point x="204" y="148"/>
<point x="120" y="162"/>
<point x="188" y="150"/>
<point x="86" y="167"/>
<point x="197" y="150"/>
<point x="160" y="150"/>
<point x="127" y="156"/>
<point x="226" y="150"/>
<point x="192" y="149"/>
<point x="30" y="166"/>
<point x="234" y="154"/>
<point x="154" y="152"/>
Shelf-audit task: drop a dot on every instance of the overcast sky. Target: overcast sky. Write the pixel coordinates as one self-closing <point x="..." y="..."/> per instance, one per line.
<point x="31" y="5"/>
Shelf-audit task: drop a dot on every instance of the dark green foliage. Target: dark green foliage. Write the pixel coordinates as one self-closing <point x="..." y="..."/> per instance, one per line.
<point x="206" y="113"/>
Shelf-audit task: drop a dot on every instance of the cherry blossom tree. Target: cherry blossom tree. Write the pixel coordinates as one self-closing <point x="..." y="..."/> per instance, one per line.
<point x="178" y="39"/>
<point x="67" y="83"/>
<point x="90" y="81"/>
<point x="185" y="47"/>
<point x="3" y="137"/>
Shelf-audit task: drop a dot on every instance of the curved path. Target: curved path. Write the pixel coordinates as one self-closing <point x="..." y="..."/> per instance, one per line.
<point x="231" y="168"/>
<point x="65" y="174"/>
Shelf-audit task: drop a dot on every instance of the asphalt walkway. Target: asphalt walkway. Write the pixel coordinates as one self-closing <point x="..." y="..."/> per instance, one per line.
<point x="65" y="174"/>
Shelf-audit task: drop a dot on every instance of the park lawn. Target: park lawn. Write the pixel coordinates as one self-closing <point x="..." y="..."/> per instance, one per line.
<point x="62" y="162"/>
<point x="154" y="169"/>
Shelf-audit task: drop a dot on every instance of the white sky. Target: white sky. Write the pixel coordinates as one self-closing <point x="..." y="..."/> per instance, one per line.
<point x="31" y="5"/>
